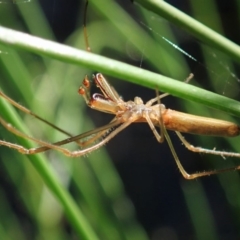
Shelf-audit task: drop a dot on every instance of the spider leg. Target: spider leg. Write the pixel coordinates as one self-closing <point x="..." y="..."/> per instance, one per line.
<point x="159" y="137"/>
<point x="27" y="111"/>
<point x="204" y="150"/>
<point x="20" y="148"/>
<point x="97" y="136"/>
<point x="102" y="142"/>
<point x="158" y="97"/>
<point x="46" y="146"/>
<point x="207" y="151"/>
<point x="185" y="174"/>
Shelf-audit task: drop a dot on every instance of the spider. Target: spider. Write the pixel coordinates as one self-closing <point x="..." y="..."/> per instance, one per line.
<point x="152" y="112"/>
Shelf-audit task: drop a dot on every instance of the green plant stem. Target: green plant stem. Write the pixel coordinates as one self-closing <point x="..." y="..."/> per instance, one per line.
<point x="194" y="27"/>
<point x="119" y="69"/>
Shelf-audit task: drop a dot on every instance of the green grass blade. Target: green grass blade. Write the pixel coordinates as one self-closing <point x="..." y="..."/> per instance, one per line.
<point x="74" y="214"/>
<point x="115" y="68"/>
<point x="194" y="27"/>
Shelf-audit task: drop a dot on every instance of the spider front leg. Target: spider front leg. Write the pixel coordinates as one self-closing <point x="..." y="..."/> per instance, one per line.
<point x="56" y="146"/>
<point x="24" y="150"/>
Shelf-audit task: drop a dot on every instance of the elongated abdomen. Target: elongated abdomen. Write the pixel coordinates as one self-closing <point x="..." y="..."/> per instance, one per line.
<point x="187" y="123"/>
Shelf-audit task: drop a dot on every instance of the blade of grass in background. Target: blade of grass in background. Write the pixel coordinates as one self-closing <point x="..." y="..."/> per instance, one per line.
<point x="125" y="71"/>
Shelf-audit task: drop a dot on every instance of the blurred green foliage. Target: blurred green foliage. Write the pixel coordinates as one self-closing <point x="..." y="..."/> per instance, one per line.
<point x="87" y="198"/>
